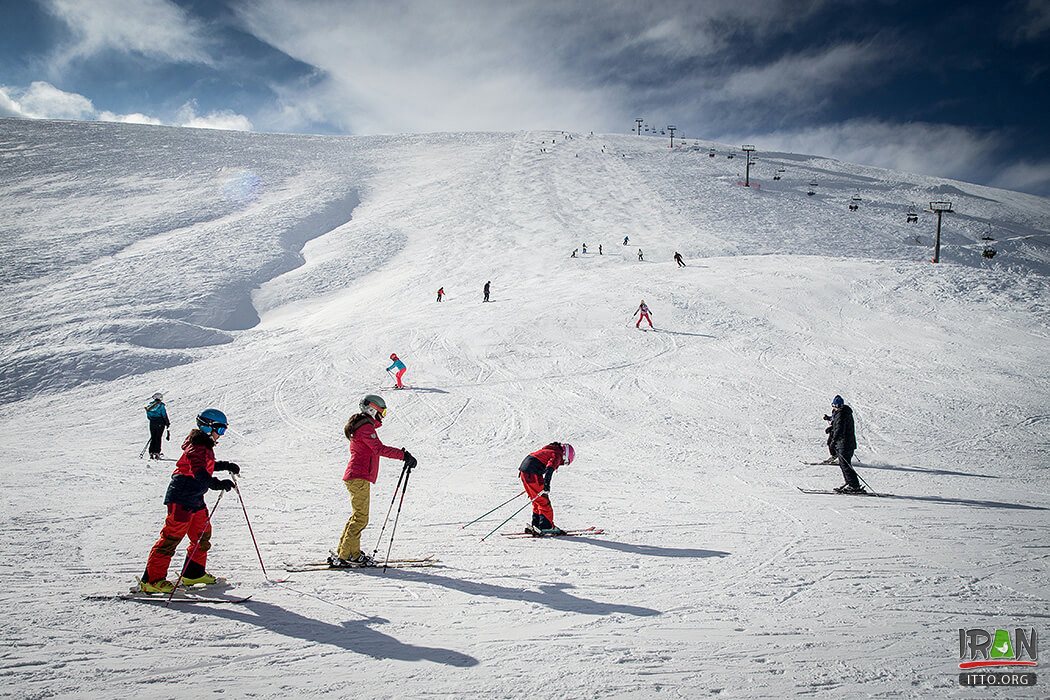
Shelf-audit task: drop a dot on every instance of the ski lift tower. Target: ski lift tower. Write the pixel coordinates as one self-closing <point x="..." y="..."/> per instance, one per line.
<point x="672" y="129"/>
<point x="639" y="121"/>
<point x="748" y="150"/>
<point x="939" y="208"/>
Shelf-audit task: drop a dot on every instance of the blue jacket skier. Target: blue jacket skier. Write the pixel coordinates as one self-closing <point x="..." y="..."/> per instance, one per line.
<point x="157" y="415"/>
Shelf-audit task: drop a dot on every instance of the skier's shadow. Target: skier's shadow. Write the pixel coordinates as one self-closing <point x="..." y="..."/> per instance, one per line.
<point x="648" y="550"/>
<point x="925" y="470"/>
<point x="695" y="335"/>
<point x="965" y="502"/>
<point x="425" y="390"/>
<point x="358" y="636"/>
<point x="554" y="595"/>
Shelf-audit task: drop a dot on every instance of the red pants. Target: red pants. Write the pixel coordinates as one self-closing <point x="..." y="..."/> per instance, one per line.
<point x="646" y="317"/>
<point x="401" y="373"/>
<point x="180" y="522"/>
<point x="533" y="484"/>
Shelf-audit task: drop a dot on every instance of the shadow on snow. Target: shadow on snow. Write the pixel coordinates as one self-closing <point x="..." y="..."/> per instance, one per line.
<point x="358" y="636"/>
<point x="554" y="596"/>
<point x="649" y="550"/>
<point x="924" y="470"/>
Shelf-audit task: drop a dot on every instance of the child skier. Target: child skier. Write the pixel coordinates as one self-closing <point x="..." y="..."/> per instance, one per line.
<point x="360" y="474"/>
<point x="158" y="421"/>
<point x="536" y="471"/>
<point x="187" y="513"/>
<point x="441" y="293"/>
<point x="643" y="313"/>
<point x="401" y="369"/>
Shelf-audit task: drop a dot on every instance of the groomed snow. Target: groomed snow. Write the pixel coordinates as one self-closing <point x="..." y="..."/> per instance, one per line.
<point x="271" y="276"/>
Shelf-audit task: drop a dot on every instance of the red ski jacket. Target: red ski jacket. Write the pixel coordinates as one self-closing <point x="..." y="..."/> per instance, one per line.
<point x="366" y="449"/>
<point x="197" y="458"/>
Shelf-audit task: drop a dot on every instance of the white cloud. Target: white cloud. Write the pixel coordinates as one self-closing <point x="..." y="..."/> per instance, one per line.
<point x="43" y="100"/>
<point x="133" y="118"/>
<point x="802" y="77"/>
<point x="155" y="28"/>
<point x="931" y="149"/>
<point x="1027" y="176"/>
<point x="222" y="119"/>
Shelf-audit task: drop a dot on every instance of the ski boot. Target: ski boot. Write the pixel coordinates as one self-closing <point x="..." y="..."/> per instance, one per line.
<point x="162" y="586"/>
<point x="361" y="560"/>
<point x="204" y="579"/>
<point x="552" y="531"/>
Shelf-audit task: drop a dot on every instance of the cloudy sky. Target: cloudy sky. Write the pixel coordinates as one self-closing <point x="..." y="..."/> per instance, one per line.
<point x="959" y="89"/>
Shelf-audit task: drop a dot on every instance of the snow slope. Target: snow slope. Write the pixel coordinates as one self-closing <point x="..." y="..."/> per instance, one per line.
<point x="271" y="276"/>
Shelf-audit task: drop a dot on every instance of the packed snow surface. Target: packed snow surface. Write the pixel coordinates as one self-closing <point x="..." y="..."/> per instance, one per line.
<point x="271" y="276"/>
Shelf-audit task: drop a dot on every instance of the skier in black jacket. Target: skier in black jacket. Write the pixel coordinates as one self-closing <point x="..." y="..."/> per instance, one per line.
<point x="844" y="440"/>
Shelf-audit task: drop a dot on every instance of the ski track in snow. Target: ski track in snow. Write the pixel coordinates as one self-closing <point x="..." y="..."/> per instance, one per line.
<point x="135" y="250"/>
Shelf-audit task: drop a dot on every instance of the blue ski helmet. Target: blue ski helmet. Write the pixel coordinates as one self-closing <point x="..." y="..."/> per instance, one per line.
<point x="837" y="401"/>
<point x="212" y="419"/>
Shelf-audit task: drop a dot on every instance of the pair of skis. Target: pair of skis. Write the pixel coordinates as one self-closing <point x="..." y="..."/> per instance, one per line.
<point x="592" y="530"/>
<point x="391" y="564"/>
<point x="182" y="595"/>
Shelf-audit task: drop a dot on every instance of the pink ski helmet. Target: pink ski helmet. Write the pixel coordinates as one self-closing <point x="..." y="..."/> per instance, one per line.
<point x="567" y="453"/>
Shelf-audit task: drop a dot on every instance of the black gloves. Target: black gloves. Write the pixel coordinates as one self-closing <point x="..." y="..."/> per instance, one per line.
<point x="410" y="461"/>
<point x="220" y="484"/>
<point x="827" y="417"/>
<point x="828" y="430"/>
<point x="224" y="466"/>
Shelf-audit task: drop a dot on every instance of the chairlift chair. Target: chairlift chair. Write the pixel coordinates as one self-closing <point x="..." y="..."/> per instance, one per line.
<point x="854" y="202"/>
<point x="730" y="156"/>
<point x="812" y="189"/>
<point x="913" y="217"/>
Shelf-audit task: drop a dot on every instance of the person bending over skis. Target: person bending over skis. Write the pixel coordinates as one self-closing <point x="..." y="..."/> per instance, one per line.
<point x="361" y="472"/>
<point x="187" y="513"/>
<point x="401" y="369"/>
<point x="536" y="471"/>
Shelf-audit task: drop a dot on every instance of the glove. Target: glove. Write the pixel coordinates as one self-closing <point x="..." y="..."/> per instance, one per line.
<point x="828" y="430"/>
<point x="827" y="417"/>
<point x="224" y="466"/>
<point x="220" y="484"/>
<point x="169" y="436"/>
<point x="410" y="461"/>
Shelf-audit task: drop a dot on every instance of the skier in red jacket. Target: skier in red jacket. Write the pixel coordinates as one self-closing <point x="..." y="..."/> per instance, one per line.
<point x="187" y="513"/>
<point x="361" y="471"/>
<point x="536" y="471"/>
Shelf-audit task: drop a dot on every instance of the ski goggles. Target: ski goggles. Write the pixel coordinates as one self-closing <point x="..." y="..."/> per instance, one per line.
<point x="379" y="409"/>
<point x="208" y="427"/>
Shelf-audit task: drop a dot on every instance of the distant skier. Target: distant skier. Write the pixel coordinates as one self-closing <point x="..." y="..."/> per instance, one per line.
<point x="574" y="251"/>
<point x="678" y="259"/>
<point x="844" y="439"/>
<point x="643" y="313"/>
<point x="599" y="249"/>
<point x="584" y="248"/>
<point x="535" y="472"/>
<point x="441" y="293"/>
<point x="625" y="239"/>
<point x="640" y="254"/>
<point x="487" y="290"/>
<point x="157" y="415"/>
<point x="187" y="512"/>
<point x="361" y="472"/>
<point x="400" y="367"/>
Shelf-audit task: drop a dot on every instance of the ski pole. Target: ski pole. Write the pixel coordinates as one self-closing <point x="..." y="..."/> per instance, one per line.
<point x="393" y="530"/>
<point x="493" y="510"/>
<point x="190" y="553"/>
<point x="145" y="447"/>
<point x="240" y="498"/>
<point x="865" y="482"/>
<point x="511" y="516"/>
<point x="387" y="518"/>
